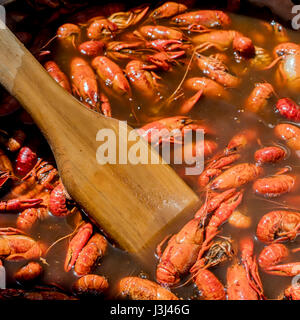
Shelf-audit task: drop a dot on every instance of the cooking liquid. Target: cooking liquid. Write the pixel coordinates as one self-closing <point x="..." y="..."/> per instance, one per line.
<point x="227" y="118"/>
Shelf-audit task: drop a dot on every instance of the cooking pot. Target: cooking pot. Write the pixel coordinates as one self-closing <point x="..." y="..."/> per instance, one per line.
<point x="266" y="9"/>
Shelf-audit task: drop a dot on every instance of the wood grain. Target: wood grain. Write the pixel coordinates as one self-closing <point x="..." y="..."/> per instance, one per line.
<point x="132" y="203"/>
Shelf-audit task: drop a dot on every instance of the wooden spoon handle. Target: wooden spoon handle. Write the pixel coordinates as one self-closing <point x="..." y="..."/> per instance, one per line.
<point x="132" y="202"/>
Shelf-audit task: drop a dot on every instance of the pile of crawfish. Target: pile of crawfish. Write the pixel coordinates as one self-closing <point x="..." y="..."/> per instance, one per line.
<point x="117" y="57"/>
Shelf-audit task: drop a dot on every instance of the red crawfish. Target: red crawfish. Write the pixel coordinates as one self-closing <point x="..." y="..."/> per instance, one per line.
<point x="105" y="105"/>
<point x="84" y="83"/>
<point x="29" y="272"/>
<point x="259" y="97"/>
<point x="91" y="284"/>
<point x="165" y="45"/>
<point x="112" y="76"/>
<point x="167" y="10"/>
<point x="219" y="217"/>
<point x="290" y="134"/>
<point x="76" y="244"/>
<point x="56" y="73"/>
<point x="159" y="32"/>
<point x="210" y="286"/>
<point x="230" y="155"/>
<point x="43" y="176"/>
<point x="205" y="87"/>
<point x="180" y="253"/>
<point x="202" y="18"/>
<point x="143" y="81"/>
<point x="274" y="186"/>
<point x="18" y="205"/>
<point x="164" y="60"/>
<point x="136" y="288"/>
<point x="223" y="40"/>
<point x="238" y="286"/>
<point x="217" y="71"/>
<point x="272" y="255"/>
<point x="169" y="129"/>
<point x="250" y="264"/>
<point x="240" y="141"/>
<point x="68" y="35"/>
<point x="269" y="155"/>
<point x="189" y="103"/>
<point x="236" y="176"/>
<point x="18" y="247"/>
<point x="129" y="18"/>
<point x="289" y="109"/>
<point x="91" y="48"/>
<point x="278" y="226"/>
<point x="100" y="27"/>
<point x="95" y="249"/>
<point x="27" y="218"/>
<point x="213" y="201"/>
<point x="26" y="160"/>
<point x="215" y="168"/>
<point x="209" y="88"/>
<point x="122" y="50"/>
<point x="243" y="281"/>
<point x="58" y="201"/>
<point x="44" y="173"/>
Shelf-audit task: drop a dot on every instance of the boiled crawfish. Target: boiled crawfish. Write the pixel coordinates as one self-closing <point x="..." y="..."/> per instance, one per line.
<point x="141" y="289"/>
<point x="243" y="281"/>
<point x="167" y="10"/>
<point x="90" y="284"/>
<point x="272" y="255"/>
<point x="16" y="247"/>
<point x="56" y="73"/>
<point x="278" y="226"/>
<point x="274" y="186"/>
<point x="217" y="71"/>
<point x="84" y="83"/>
<point x="196" y="20"/>
<point x="170" y="129"/>
<point x="222" y="40"/>
<point x="210" y="286"/>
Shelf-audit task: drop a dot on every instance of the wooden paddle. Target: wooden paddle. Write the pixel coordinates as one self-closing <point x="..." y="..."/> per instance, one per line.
<point x="132" y="203"/>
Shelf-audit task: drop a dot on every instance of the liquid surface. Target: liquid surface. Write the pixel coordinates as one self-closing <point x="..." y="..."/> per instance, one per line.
<point x="226" y="118"/>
